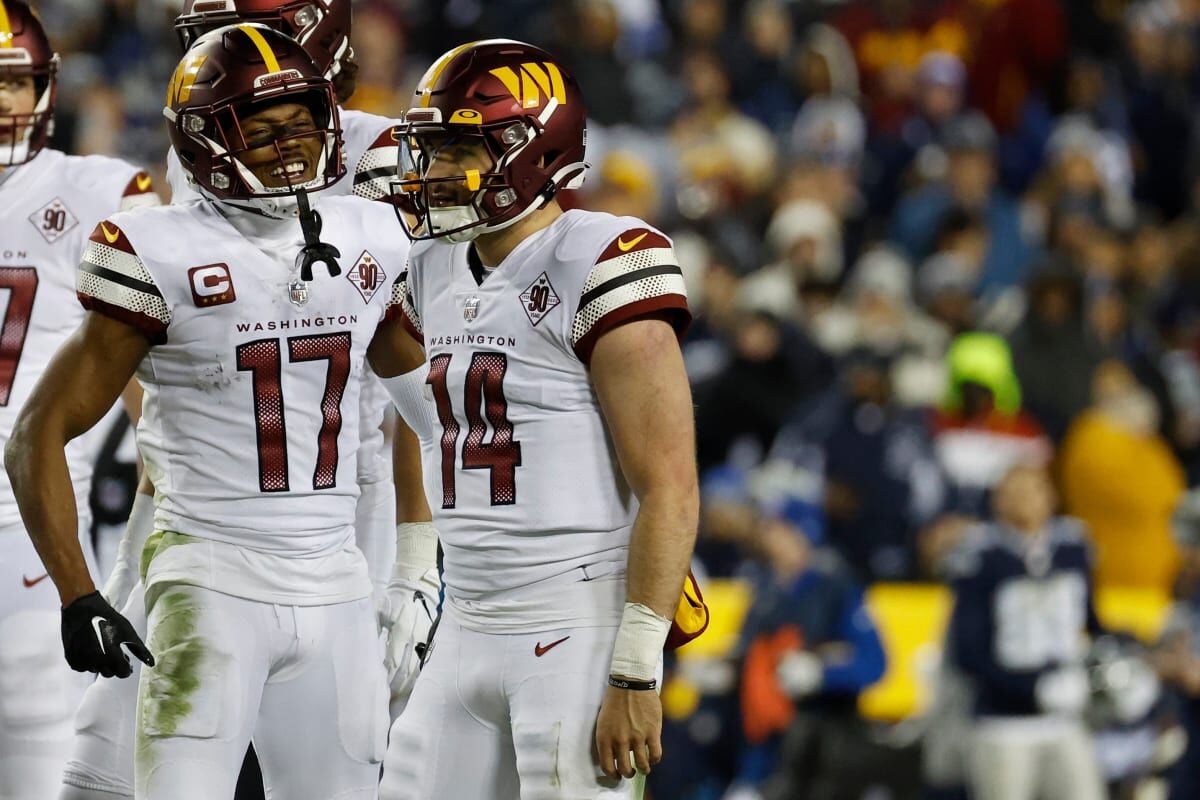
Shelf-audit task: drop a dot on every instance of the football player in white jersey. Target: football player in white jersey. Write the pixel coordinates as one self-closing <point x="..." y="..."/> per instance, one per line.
<point x="562" y="472"/>
<point x="103" y="757"/>
<point x="259" y="612"/>
<point x="48" y="203"/>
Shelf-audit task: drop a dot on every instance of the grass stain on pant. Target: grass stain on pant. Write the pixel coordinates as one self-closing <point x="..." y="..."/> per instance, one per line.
<point x="168" y="688"/>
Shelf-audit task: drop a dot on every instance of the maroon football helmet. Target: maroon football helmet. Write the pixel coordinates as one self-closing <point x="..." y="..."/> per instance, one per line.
<point x="522" y="106"/>
<point x="230" y="74"/>
<point x="321" y="26"/>
<point x="25" y="52"/>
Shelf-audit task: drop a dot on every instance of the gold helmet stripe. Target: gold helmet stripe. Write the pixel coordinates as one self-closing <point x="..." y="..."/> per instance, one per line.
<point x="263" y="48"/>
<point x="425" y="87"/>
<point x="6" y="34"/>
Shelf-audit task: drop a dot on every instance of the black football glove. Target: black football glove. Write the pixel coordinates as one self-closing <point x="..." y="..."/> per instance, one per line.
<point x="92" y="635"/>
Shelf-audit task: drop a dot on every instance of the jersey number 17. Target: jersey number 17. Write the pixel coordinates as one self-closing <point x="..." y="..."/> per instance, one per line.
<point x="263" y="359"/>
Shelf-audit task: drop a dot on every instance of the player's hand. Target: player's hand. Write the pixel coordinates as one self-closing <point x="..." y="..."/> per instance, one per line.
<point x="93" y="634"/>
<point x="406" y="612"/>
<point x="630" y="722"/>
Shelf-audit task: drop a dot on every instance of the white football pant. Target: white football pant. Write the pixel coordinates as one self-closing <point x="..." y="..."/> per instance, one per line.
<point x="101" y="763"/>
<point x="38" y="691"/>
<point x="305" y="682"/>
<point x="505" y="716"/>
<point x="1035" y="758"/>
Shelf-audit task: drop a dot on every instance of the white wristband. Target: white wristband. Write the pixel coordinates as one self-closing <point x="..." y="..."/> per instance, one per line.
<point x="639" y="645"/>
<point x="416" y="550"/>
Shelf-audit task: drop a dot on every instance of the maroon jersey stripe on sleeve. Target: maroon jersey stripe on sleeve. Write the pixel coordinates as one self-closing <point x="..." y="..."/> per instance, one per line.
<point x="155" y="330"/>
<point x="672" y="308"/>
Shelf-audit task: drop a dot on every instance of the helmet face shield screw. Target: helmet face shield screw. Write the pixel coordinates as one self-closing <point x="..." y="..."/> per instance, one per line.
<point x="506" y="198"/>
<point x="305" y="17"/>
<point x="513" y="134"/>
<point x="193" y="123"/>
<point x="221" y="181"/>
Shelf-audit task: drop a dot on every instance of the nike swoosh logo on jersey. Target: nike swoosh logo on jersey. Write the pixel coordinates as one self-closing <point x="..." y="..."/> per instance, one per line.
<point x="97" y="621"/>
<point x="29" y="584"/>
<point x="111" y="236"/>
<point x="540" y="651"/>
<point x="625" y="246"/>
<point x="143" y="183"/>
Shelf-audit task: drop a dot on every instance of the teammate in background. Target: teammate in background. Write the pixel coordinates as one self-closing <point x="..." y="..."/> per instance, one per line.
<point x="103" y="756"/>
<point x="565" y="479"/>
<point x="48" y="203"/>
<point x="1022" y="607"/>
<point x="258" y="601"/>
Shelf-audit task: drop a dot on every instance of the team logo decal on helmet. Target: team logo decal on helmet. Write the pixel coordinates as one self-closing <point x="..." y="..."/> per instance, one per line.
<point x="522" y="115"/>
<point x="26" y="55"/>
<point x="322" y="27"/>
<point x="231" y="74"/>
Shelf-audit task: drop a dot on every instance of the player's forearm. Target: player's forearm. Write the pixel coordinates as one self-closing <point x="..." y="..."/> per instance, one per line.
<point x="660" y="547"/>
<point x="659" y="551"/>
<point x="35" y="458"/>
<point x="411" y="505"/>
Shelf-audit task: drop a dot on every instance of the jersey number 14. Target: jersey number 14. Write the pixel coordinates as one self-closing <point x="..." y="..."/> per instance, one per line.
<point x="483" y="389"/>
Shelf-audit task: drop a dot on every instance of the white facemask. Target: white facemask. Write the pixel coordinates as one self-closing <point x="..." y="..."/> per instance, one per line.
<point x="447" y="218"/>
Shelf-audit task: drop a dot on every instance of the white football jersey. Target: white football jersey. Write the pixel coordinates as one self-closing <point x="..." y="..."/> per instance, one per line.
<point x="47" y="209"/>
<point x="250" y="426"/>
<point x="521" y="476"/>
<point x="360" y="131"/>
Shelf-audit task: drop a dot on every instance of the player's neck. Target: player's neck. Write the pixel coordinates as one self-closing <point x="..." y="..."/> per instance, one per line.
<point x="493" y="248"/>
<point x="257" y="226"/>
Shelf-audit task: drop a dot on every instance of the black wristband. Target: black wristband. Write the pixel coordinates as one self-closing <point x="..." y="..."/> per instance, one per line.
<point x="632" y="685"/>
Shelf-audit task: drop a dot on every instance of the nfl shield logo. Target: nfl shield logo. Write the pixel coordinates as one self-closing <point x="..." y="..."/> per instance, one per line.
<point x="471" y="309"/>
<point x="298" y="293"/>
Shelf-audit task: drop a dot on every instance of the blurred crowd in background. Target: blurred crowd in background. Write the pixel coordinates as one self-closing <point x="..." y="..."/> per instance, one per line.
<point x="926" y="241"/>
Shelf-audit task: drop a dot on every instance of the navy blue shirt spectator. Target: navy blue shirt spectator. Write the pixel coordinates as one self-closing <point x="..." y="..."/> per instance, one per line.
<point x="970" y="182"/>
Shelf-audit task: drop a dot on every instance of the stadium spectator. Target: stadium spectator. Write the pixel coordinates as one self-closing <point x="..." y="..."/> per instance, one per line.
<point x="875" y="311"/>
<point x="774" y="367"/>
<point x="980" y="431"/>
<point x="1177" y="657"/>
<point x="1052" y="351"/>
<point x="1123" y="481"/>
<point x="966" y="178"/>
<point x="594" y="61"/>
<point x="724" y="156"/>
<point x="806" y="240"/>
<point x="810" y="648"/>
<point x="880" y="480"/>
<point x="939" y="97"/>
<point x="1022" y="603"/>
